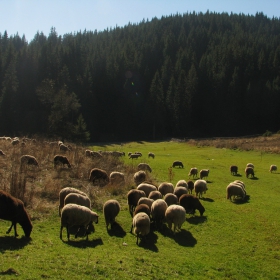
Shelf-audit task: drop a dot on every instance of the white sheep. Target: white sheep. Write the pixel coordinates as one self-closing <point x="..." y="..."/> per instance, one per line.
<point x="158" y="209"/>
<point x="147" y="188"/>
<point x="200" y="187"/>
<point x="182" y="183"/>
<point x="76" y="198"/>
<point x="76" y="215"/>
<point x="176" y="215"/>
<point x="111" y="209"/>
<point x="165" y="188"/>
<point x="203" y="173"/>
<point x="139" y="177"/>
<point x="235" y="190"/>
<point x="155" y="195"/>
<point x="146" y="200"/>
<point x="170" y="199"/>
<point x="117" y="177"/>
<point x="141" y="224"/>
<point x="193" y="172"/>
<point x="273" y="167"/>
<point x="250" y="165"/>
<point x="144" y="166"/>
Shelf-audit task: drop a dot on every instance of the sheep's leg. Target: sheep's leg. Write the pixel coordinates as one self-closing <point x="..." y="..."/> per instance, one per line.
<point x="15" y="229"/>
<point x="68" y="233"/>
<point x="131" y="228"/>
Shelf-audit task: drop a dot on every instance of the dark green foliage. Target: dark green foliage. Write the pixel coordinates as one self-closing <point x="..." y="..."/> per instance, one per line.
<point x="179" y="76"/>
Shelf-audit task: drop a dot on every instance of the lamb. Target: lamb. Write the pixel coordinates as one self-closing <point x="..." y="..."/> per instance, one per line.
<point x="139" y="177"/>
<point x="200" y="187"/>
<point x="116" y="177"/>
<point x="144" y="166"/>
<point x="178" y="191"/>
<point x="190" y="186"/>
<point x="2" y="153"/>
<point x="28" y="160"/>
<point x="166" y="188"/>
<point x="99" y="176"/>
<point x="76" y="198"/>
<point x="170" y="199"/>
<point x="193" y="172"/>
<point x="249" y="171"/>
<point x="158" y="209"/>
<point x="235" y="190"/>
<point x="176" y="215"/>
<point x="273" y="168"/>
<point x="145" y="200"/>
<point x="64" y="148"/>
<point x="76" y="215"/>
<point x="147" y="188"/>
<point x="63" y="193"/>
<point x="141" y="224"/>
<point x="203" y="173"/>
<point x="177" y="163"/>
<point x="61" y="160"/>
<point x="132" y="199"/>
<point x="191" y="203"/>
<point x="182" y="183"/>
<point x="152" y="155"/>
<point x="234" y="170"/>
<point x="12" y="209"/>
<point x="111" y="209"/>
<point x="155" y="195"/>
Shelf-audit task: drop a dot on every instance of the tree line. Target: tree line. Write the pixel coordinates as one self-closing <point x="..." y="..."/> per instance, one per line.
<point x="183" y="75"/>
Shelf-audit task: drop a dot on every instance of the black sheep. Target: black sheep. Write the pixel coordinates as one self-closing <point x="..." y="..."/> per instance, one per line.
<point x="191" y="203"/>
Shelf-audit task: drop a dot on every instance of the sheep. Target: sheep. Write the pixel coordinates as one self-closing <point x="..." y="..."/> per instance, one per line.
<point x="138" y="153"/>
<point x="250" y="165"/>
<point x="182" y="183"/>
<point x="116" y="177"/>
<point x="249" y="171"/>
<point x="141" y="224"/>
<point x="132" y="156"/>
<point x="147" y="188"/>
<point x="273" y="168"/>
<point x="61" y="160"/>
<point x="88" y="153"/>
<point x="191" y="203"/>
<point x="235" y="190"/>
<point x="155" y="195"/>
<point x="76" y="198"/>
<point x="144" y="166"/>
<point x="190" y="186"/>
<point x="170" y="199"/>
<point x="193" y="172"/>
<point x="203" y="173"/>
<point x="118" y="154"/>
<point x="165" y="188"/>
<point x="152" y="155"/>
<point x="139" y="177"/>
<point x="76" y="215"/>
<point x="2" y="153"/>
<point x="145" y="200"/>
<point x="158" y="209"/>
<point x="240" y="183"/>
<point x="95" y="154"/>
<point x="99" y="176"/>
<point x="142" y="208"/>
<point x="176" y="215"/>
<point x="28" y="160"/>
<point x="200" y="187"/>
<point x="64" y="148"/>
<point x="178" y="191"/>
<point x="234" y="170"/>
<point x="63" y="193"/>
<point x="132" y="199"/>
<point x="111" y="209"/>
<point x="15" y="142"/>
<point x="177" y="163"/>
<point x="12" y="209"/>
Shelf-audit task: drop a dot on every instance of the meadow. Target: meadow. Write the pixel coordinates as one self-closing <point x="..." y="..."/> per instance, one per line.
<point x="233" y="240"/>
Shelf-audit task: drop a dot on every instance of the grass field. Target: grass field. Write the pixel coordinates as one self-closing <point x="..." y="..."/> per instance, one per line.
<point x="231" y="241"/>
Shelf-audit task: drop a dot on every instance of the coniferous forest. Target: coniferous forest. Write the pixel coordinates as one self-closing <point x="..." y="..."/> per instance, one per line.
<point x="184" y="75"/>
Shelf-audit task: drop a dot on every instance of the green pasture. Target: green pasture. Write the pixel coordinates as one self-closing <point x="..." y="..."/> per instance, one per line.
<point x="231" y="241"/>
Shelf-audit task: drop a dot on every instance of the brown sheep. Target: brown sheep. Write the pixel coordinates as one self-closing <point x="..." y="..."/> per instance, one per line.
<point x="249" y="171"/>
<point x="132" y="199"/>
<point x="203" y="173"/>
<point x="190" y="185"/>
<point x="61" y="160"/>
<point x="234" y="170"/>
<point x="99" y="176"/>
<point x="28" y="160"/>
<point x="193" y="172"/>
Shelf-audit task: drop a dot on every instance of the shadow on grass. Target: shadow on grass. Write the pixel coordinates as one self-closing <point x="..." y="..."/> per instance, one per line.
<point x="12" y="243"/>
<point x="149" y="242"/>
<point x="237" y="175"/>
<point x="207" y="199"/>
<point x="116" y="230"/>
<point x="195" y="220"/>
<point x="84" y="243"/>
<point x="254" y="178"/>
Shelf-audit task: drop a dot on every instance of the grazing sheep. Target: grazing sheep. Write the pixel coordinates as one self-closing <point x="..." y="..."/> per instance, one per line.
<point x="142" y="208"/>
<point x="63" y="193"/>
<point x="191" y="203"/>
<point x="15" y="142"/>
<point x="64" y="148"/>
<point x="249" y="171"/>
<point x="76" y="215"/>
<point x="193" y="172"/>
<point x="170" y="199"/>
<point x="12" y="209"/>
<point x="234" y="170"/>
<point x="138" y="153"/>
<point x="144" y="166"/>
<point x="182" y="183"/>
<point x="117" y="177"/>
<point x="132" y="199"/>
<point x="99" y="176"/>
<point x="178" y="191"/>
<point x="132" y="156"/>
<point x="240" y="183"/>
<point x="28" y="160"/>
<point x="200" y="187"/>
<point x="146" y="200"/>
<point x="2" y="153"/>
<point x="76" y="198"/>
<point x="273" y="168"/>
<point x="147" y="188"/>
<point x="166" y="188"/>
<point x="141" y="224"/>
<point x="176" y="215"/>
<point x="155" y="195"/>
<point x="152" y="155"/>
<point x="190" y="185"/>
<point x="203" y="173"/>
<point x="235" y="190"/>
<point x="111" y="209"/>
<point x="158" y="209"/>
<point x="88" y="153"/>
<point x="139" y="177"/>
<point x="250" y="165"/>
<point x="178" y="163"/>
<point x="61" y="160"/>
<point x="118" y="154"/>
